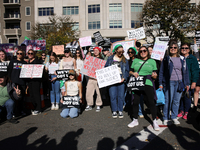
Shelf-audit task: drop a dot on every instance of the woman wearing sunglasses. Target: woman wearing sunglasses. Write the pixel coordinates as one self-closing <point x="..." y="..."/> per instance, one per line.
<point x="79" y="62"/>
<point x="173" y="71"/>
<point x="14" y="70"/>
<point x="117" y="91"/>
<point x="34" y="85"/>
<point x="149" y="70"/>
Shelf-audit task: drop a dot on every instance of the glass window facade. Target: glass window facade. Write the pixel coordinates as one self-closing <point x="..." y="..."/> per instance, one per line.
<point x="28" y="26"/>
<point x="94" y="25"/>
<point x="115" y="7"/>
<point x="28" y="11"/>
<point x="72" y="10"/>
<point x="135" y="24"/>
<point x="94" y="8"/>
<point x="115" y="24"/>
<point x="48" y="11"/>
<point x="136" y="7"/>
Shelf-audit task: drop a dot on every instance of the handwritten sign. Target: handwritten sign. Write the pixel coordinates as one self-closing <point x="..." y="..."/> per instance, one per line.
<point x="108" y="76"/>
<point x="136" y="33"/>
<point x="11" y="49"/>
<point x="98" y="38"/>
<point x="136" y="83"/>
<point x="126" y="45"/>
<point x="58" y="49"/>
<point x="34" y="71"/>
<point x="91" y="64"/>
<point x="85" y="41"/>
<point x="3" y="67"/>
<point x="36" y="45"/>
<point x="159" y="50"/>
<point x="62" y="74"/>
<point x="71" y="101"/>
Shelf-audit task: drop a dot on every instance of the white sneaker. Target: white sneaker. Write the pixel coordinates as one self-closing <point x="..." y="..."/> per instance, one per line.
<point x="121" y="114"/>
<point x="141" y="116"/>
<point x="52" y="107"/>
<point x="98" y="109"/>
<point x="155" y="125"/>
<point x="114" y="114"/>
<point x="133" y="123"/>
<point x="56" y="107"/>
<point x="165" y="122"/>
<point x="176" y="121"/>
<point x="88" y="108"/>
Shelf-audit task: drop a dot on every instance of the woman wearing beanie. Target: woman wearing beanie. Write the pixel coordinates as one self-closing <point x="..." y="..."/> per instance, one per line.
<point x="92" y="86"/>
<point x="117" y="91"/>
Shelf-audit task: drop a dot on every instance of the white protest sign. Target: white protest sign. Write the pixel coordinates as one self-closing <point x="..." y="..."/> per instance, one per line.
<point x="159" y="50"/>
<point x="34" y="71"/>
<point x="136" y="33"/>
<point x="108" y="76"/>
<point x="85" y="41"/>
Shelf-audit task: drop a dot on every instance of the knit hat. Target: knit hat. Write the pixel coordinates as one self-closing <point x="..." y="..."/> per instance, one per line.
<point x="71" y="72"/>
<point x="116" y="47"/>
<point x="97" y="48"/>
<point x="136" y="52"/>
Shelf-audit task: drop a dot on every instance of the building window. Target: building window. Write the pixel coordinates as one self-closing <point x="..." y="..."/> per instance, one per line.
<point x="28" y="11"/>
<point x="94" y="8"/>
<point x="136" y="24"/>
<point x="48" y="11"/>
<point x="76" y="26"/>
<point x="136" y="7"/>
<point x="94" y="25"/>
<point x="115" y="24"/>
<point x="115" y="7"/>
<point x="72" y="10"/>
<point x="28" y="26"/>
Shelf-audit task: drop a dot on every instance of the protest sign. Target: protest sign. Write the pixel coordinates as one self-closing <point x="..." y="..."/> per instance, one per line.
<point x="11" y="49"/>
<point x="126" y="45"/>
<point x="136" y="34"/>
<point x="36" y="45"/>
<point x="3" y="67"/>
<point x="108" y="76"/>
<point x="34" y="71"/>
<point x="91" y="64"/>
<point x="73" y="46"/>
<point x="197" y="35"/>
<point x="136" y="83"/>
<point x="58" y="49"/>
<point x="62" y="74"/>
<point x="71" y="101"/>
<point x="98" y="38"/>
<point x="85" y="41"/>
<point x="159" y="50"/>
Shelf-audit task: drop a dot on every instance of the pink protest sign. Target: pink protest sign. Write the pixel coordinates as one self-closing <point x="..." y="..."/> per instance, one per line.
<point x="58" y="49"/>
<point x="85" y="41"/>
<point x="34" y="71"/>
<point x="91" y="64"/>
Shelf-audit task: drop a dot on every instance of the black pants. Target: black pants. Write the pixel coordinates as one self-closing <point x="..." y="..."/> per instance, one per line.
<point x="34" y="90"/>
<point x="149" y="97"/>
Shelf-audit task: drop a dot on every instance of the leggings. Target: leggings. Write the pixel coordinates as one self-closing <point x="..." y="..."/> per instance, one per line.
<point x="148" y="94"/>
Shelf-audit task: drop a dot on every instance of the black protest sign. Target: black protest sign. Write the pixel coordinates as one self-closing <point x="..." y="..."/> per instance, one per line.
<point x="197" y="35"/>
<point x="98" y="38"/>
<point x="136" y="83"/>
<point x="3" y="67"/>
<point x="62" y="74"/>
<point x="71" y="101"/>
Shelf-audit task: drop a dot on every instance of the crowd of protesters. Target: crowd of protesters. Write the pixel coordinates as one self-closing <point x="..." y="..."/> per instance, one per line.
<point x="177" y="74"/>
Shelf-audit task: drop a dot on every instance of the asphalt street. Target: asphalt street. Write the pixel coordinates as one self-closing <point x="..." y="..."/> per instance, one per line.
<point x="93" y="131"/>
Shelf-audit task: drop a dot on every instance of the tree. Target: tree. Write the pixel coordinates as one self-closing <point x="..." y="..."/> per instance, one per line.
<point x="57" y="31"/>
<point x="173" y="18"/>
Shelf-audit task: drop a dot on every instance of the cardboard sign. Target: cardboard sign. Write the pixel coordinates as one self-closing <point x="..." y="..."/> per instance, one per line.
<point x="85" y="41"/>
<point x="71" y="101"/>
<point x="36" y="45"/>
<point x="159" y="50"/>
<point x="3" y="67"/>
<point x="62" y="74"/>
<point x="98" y="38"/>
<point x="108" y="76"/>
<point x="91" y="64"/>
<point x="11" y="49"/>
<point x="126" y="45"/>
<point x="34" y="71"/>
<point x="136" y="34"/>
<point x="58" y="49"/>
<point x="136" y="83"/>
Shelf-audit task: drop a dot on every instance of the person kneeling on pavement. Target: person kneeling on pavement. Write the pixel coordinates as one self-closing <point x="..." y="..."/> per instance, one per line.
<point x="8" y="93"/>
<point x="73" y="96"/>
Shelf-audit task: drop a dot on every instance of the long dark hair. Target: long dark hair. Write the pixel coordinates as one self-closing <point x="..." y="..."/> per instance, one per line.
<point x="81" y="57"/>
<point x="6" y="58"/>
<point x="123" y="58"/>
<point x="56" y="58"/>
<point x="148" y="55"/>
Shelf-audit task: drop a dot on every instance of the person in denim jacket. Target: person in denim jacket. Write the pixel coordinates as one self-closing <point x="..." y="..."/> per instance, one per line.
<point x="172" y="71"/>
<point x="117" y="91"/>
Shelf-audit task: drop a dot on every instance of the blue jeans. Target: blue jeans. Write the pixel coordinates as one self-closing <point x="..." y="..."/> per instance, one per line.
<point x="141" y="106"/>
<point x="55" y="90"/>
<point x="172" y="100"/>
<point x="72" y="112"/>
<point x="9" y="104"/>
<point x="117" y="96"/>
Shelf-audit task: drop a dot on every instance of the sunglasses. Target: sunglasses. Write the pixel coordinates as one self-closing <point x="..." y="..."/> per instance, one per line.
<point x="30" y="53"/>
<point x="19" y="53"/>
<point x="130" y="52"/>
<point x="77" y="53"/>
<point x="143" y="51"/>
<point x="173" y="47"/>
<point x="184" y="48"/>
<point x="66" y="51"/>
<point x="121" y="52"/>
<point x="43" y="55"/>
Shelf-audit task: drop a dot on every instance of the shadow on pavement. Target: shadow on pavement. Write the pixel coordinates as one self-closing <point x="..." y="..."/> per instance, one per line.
<point x="69" y="141"/>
